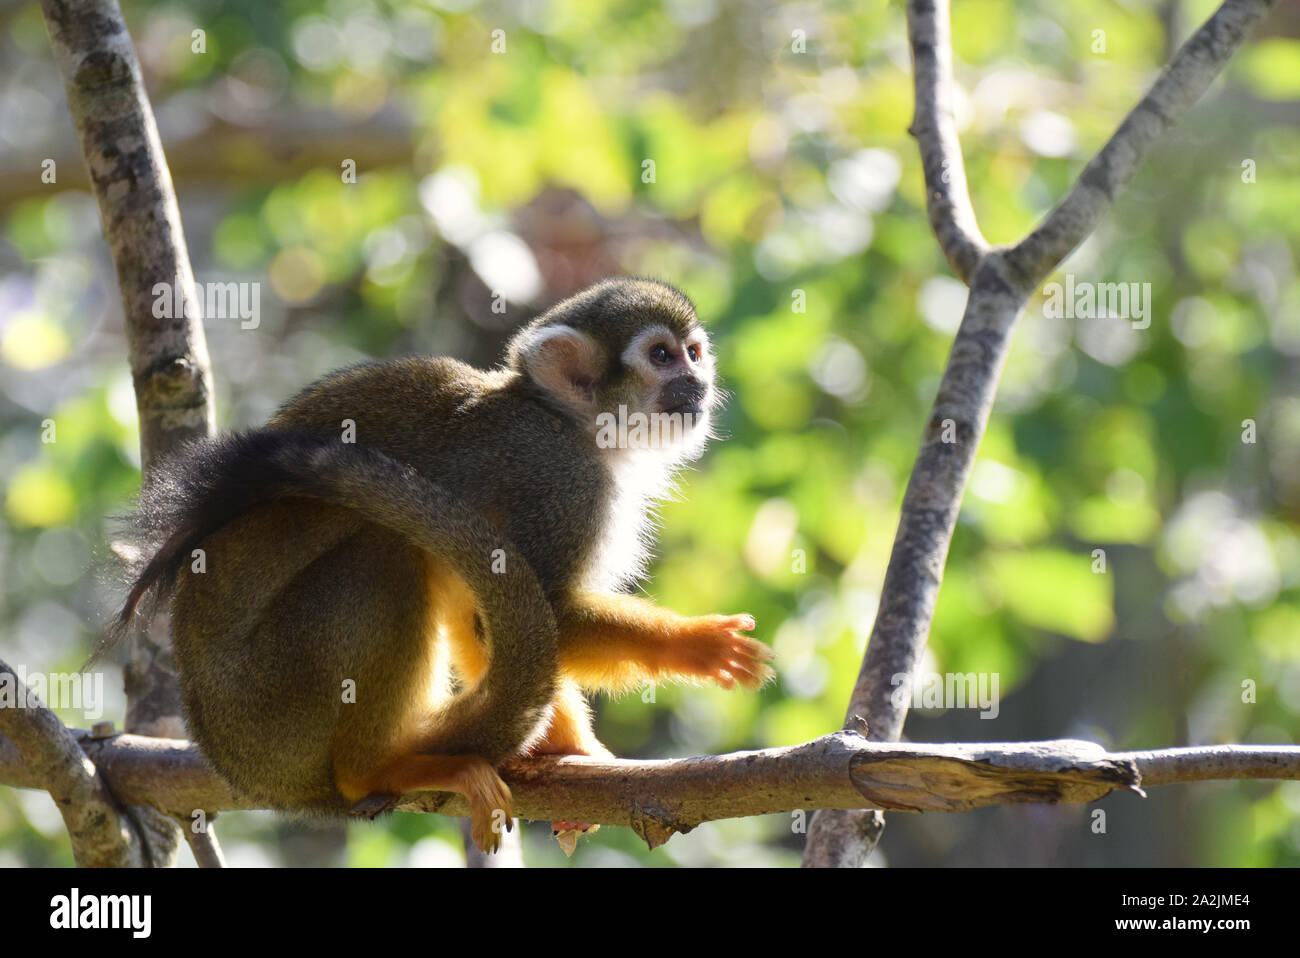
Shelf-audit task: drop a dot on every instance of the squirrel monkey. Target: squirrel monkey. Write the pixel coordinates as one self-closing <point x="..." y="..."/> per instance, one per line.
<point x="399" y="521"/>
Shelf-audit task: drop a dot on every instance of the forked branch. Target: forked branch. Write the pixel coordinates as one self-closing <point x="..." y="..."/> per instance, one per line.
<point x="1001" y="282"/>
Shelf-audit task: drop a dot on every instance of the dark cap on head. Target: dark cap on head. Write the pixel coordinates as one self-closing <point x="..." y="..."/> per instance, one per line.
<point x="622" y="307"/>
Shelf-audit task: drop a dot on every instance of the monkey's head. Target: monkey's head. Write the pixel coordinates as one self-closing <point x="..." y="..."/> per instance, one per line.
<point x="628" y="359"/>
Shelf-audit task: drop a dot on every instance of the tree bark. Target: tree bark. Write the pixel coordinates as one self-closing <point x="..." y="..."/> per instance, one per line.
<point x="1001" y="282"/>
<point x="102" y="836"/>
<point x="169" y="356"/>
<point x="661" y="798"/>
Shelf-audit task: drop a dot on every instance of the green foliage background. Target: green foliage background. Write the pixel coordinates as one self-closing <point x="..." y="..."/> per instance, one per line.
<point x="780" y="177"/>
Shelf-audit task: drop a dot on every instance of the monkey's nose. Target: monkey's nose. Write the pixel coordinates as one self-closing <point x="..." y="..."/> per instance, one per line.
<point x="684" y="394"/>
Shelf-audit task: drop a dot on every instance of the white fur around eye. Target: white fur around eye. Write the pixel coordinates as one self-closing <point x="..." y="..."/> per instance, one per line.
<point x="637" y="354"/>
<point x="700" y="338"/>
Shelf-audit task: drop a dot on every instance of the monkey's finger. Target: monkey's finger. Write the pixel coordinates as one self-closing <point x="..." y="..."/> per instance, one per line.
<point x="487" y="834"/>
<point x="744" y="672"/>
<point x="752" y="649"/>
<point x="742" y="622"/>
<point x="751" y="659"/>
<point x="753" y="675"/>
<point x="485" y="837"/>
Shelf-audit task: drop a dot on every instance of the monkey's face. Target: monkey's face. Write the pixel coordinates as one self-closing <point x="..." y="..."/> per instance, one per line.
<point x="665" y="376"/>
<point x="629" y="361"/>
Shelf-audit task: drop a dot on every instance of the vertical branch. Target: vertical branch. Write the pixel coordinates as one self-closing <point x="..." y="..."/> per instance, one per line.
<point x="207" y="850"/>
<point x="141" y="220"/>
<point x="1001" y="282"/>
<point x="844" y="838"/>
<point x="142" y="224"/>
<point x="951" y="439"/>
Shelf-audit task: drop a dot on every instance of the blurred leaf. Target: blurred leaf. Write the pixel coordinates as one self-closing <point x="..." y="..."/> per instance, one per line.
<point x="1272" y="66"/>
<point x="37" y="495"/>
<point x="1055" y="590"/>
<point x="33" y="341"/>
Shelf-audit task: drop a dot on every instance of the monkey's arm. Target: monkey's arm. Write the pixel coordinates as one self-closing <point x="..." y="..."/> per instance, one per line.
<point x="616" y="642"/>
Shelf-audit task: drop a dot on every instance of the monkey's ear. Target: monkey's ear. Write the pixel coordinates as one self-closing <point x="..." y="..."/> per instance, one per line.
<point x="563" y="361"/>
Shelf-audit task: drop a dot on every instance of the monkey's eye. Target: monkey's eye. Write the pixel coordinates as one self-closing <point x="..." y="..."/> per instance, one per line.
<point x="693" y="352"/>
<point x="660" y="354"/>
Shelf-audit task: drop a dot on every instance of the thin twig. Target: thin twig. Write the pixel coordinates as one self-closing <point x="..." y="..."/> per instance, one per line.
<point x="1180" y="84"/>
<point x="204" y="844"/>
<point x="947" y="198"/>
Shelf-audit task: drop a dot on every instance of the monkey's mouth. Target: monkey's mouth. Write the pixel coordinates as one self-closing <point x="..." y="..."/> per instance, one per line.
<point x="685" y="409"/>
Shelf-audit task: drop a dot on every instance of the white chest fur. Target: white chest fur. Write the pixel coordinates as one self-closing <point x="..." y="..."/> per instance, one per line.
<point x="641" y="479"/>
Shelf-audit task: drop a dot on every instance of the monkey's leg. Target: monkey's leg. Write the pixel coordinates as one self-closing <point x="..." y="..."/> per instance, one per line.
<point x="470" y="775"/>
<point x="570" y="733"/>
<point x="618" y="641"/>
<point x="458" y="618"/>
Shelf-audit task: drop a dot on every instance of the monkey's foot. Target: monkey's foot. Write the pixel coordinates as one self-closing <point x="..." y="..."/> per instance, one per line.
<point x="489" y="806"/>
<point x="713" y="648"/>
<point x="568" y="833"/>
<point x="470" y="775"/>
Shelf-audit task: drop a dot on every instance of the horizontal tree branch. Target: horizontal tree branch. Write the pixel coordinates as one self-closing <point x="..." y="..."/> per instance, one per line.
<point x="662" y="797"/>
<point x="1208" y="762"/>
<point x="279" y="147"/>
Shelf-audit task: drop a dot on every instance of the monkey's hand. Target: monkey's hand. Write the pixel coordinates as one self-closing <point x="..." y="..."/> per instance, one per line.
<point x="712" y="647"/>
<point x="617" y="642"/>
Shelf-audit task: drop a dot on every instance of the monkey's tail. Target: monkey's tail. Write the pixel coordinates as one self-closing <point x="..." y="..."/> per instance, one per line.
<point x="213" y="481"/>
